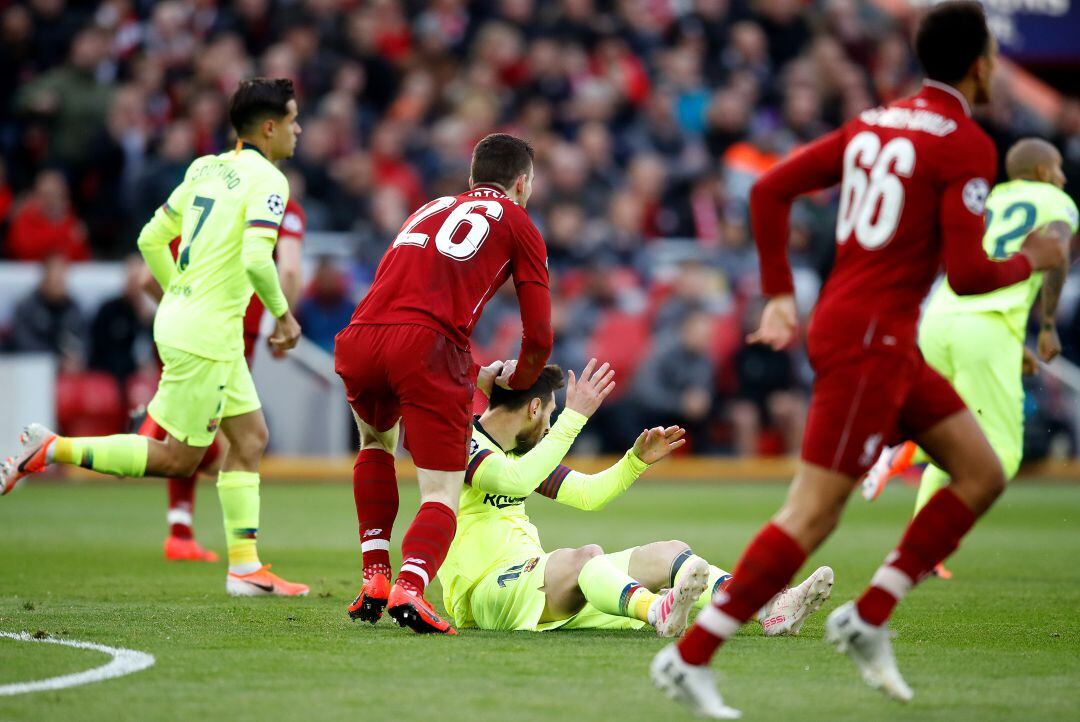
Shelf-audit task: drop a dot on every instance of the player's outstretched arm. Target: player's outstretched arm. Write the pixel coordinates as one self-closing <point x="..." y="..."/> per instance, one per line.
<point x="499" y="474"/>
<point x="592" y="492"/>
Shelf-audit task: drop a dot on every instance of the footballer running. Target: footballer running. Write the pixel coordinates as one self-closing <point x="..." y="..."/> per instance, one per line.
<point x="977" y="342"/>
<point x="227" y="212"/>
<point x="914" y="178"/>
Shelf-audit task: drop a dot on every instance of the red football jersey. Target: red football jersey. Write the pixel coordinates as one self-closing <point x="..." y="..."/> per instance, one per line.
<point x="293" y="225"/>
<point x="450" y="258"/>
<point x="914" y="180"/>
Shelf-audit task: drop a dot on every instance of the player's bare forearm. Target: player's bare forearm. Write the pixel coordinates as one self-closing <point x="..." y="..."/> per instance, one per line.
<point x="289" y="269"/>
<point x="1054" y="279"/>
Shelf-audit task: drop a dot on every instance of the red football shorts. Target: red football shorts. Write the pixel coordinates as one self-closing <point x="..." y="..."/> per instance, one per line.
<point x="876" y="395"/>
<point x="415" y="374"/>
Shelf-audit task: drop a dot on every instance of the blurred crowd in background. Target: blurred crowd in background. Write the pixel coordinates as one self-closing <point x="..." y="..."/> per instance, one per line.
<point x="650" y="118"/>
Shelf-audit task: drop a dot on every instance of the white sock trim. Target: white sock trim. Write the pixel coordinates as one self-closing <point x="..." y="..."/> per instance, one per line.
<point x="893" y="581"/>
<point x="418" y="571"/>
<point x="179" y="516"/>
<point x="372" y="544"/>
<point x="717" y="623"/>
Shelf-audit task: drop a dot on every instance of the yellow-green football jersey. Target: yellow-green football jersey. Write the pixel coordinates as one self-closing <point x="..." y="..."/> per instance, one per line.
<point x="492" y="529"/>
<point x="1013" y="210"/>
<point x="222" y="199"/>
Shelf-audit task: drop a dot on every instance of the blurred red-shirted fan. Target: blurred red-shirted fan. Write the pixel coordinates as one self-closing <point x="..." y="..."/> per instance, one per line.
<point x="914" y="177"/>
<point x="405" y="357"/>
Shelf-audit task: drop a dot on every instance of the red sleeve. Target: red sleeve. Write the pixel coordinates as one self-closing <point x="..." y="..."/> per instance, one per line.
<point x="812" y="167"/>
<point x="529" y="269"/>
<point x="536" y="336"/>
<point x="294" y="223"/>
<point x="967" y="184"/>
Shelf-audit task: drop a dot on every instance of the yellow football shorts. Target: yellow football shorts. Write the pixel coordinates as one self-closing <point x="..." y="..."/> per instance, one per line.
<point x="511" y="598"/>
<point x="196" y="393"/>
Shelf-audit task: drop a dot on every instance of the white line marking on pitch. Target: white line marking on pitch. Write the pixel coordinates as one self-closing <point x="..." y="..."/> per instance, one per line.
<point x="124" y="661"/>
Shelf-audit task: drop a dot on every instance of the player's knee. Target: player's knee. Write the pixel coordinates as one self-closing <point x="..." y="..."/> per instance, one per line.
<point x="671" y="548"/>
<point x="586" y="553"/>
<point x="250" y="447"/>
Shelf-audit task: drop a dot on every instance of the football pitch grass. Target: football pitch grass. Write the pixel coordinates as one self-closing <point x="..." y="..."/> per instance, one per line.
<point x="83" y="562"/>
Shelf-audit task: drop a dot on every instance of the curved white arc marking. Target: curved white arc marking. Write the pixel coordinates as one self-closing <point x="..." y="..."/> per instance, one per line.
<point x="124" y="661"/>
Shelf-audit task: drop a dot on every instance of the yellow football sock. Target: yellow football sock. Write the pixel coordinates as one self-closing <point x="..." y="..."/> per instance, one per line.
<point x="119" y="455"/>
<point x="613" y="591"/>
<point x="239" y="495"/>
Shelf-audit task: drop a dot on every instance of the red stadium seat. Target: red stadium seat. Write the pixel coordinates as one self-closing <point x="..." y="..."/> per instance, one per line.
<point x="89" y="404"/>
<point x="623" y="340"/>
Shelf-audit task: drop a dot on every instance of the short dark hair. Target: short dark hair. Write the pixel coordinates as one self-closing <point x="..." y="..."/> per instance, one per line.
<point x="950" y="38"/>
<point x="500" y="158"/>
<point x="550" y="380"/>
<point x="258" y="99"/>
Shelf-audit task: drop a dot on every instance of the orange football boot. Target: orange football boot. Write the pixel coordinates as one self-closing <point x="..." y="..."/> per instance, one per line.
<point x="187" y="550"/>
<point x="411" y="610"/>
<point x="941" y="572"/>
<point x="35" y="440"/>
<point x="371" y="601"/>
<point x="262" y="582"/>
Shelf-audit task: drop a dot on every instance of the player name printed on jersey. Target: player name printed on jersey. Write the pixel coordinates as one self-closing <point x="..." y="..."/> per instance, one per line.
<point x="909" y="119"/>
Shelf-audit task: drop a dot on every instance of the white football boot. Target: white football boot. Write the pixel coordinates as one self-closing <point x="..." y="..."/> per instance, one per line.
<point x="671" y="610"/>
<point x="788" y="610"/>
<point x="870" y="648"/>
<point x="892" y="461"/>
<point x="692" y="686"/>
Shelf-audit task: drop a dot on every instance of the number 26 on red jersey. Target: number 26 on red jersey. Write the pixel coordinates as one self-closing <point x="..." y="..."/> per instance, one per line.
<point x="871" y="195"/>
<point x="464" y="215"/>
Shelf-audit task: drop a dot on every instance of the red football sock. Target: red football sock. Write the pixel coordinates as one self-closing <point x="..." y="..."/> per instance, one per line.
<point x="766" y="566"/>
<point x="375" y="492"/>
<point x="425" y="544"/>
<point x="181" y="506"/>
<point x="931" y="537"/>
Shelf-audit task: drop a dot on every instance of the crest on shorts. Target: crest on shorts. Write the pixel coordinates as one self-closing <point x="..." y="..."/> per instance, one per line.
<point x="975" y="192"/>
<point x="275" y="204"/>
<point x="213" y="425"/>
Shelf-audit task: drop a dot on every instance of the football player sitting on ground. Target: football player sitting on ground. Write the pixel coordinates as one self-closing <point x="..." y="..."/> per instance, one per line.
<point x="498" y="576"/>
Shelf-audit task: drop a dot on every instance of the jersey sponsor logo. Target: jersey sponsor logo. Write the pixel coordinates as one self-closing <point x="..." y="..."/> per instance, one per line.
<point x="974" y="195"/>
<point x="275" y="204"/>
<point x="501" y="501"/>
<point x="924" y="121"/>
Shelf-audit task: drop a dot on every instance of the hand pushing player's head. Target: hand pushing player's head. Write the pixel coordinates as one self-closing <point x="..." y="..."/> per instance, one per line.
<point x="504" y="161"/>
<point x="263" y="112"/>
<point x="954" y="46"/>
<point x="528" y="411"/>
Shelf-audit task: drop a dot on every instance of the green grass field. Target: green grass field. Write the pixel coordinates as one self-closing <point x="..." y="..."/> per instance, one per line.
<point x="83" y="562"/>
